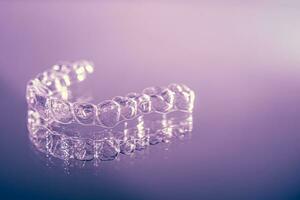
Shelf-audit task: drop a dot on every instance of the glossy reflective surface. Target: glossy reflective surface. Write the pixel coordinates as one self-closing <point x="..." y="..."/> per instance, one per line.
<point x="242" y="60"/>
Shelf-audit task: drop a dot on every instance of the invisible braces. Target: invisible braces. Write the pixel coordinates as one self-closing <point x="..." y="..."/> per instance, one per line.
<point x="49" y="105"/>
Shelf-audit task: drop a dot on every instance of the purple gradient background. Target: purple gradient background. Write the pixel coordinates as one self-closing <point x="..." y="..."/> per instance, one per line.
<point x="242" y="59"/>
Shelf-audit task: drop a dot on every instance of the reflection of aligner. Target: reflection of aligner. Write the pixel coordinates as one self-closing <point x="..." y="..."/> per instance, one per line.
<point x="49" y="95"/>
<point x="106" y="144"/>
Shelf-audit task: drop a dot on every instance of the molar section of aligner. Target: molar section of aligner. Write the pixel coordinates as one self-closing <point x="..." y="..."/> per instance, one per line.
<point x="162" y="99"/>
<point x="46" y="81"/>
<point x="38" y="99"/>
<point x="128" y="107"/>
<point x="61" y="110"/>
<point x="51" y="82"/>
<point x="33" y="120"/>
<point x="85" y="113"/>
<point x="108" y="113"/>
<point x="183" y="97"/>
<point x="191" y="95"/>
<point x="56" y="79"/>
<point x="67" y="73"/>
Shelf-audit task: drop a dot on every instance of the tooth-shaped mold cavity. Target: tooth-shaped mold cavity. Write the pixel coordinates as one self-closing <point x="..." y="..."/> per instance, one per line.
<point x="38" y="101"/>
<point x="61" y="110"/>
<point x="158" y="104"/>
<point x="43" y="106"/>
<point x="128" y="107"/>
<point x="184" y="97"/>
<point x="85" y="113"/>
<point x="109" y="113"/>
<point x="143" y="102"/>
<point x="191" y="95"/>
<point x="162" y="99"/>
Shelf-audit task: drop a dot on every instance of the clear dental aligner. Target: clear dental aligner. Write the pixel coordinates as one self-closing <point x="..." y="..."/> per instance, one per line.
<point x="48" y="94"/>
<point x="48" y="98"/>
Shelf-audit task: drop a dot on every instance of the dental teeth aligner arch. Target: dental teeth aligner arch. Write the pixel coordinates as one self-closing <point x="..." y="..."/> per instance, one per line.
<point x="48" y="102"/>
